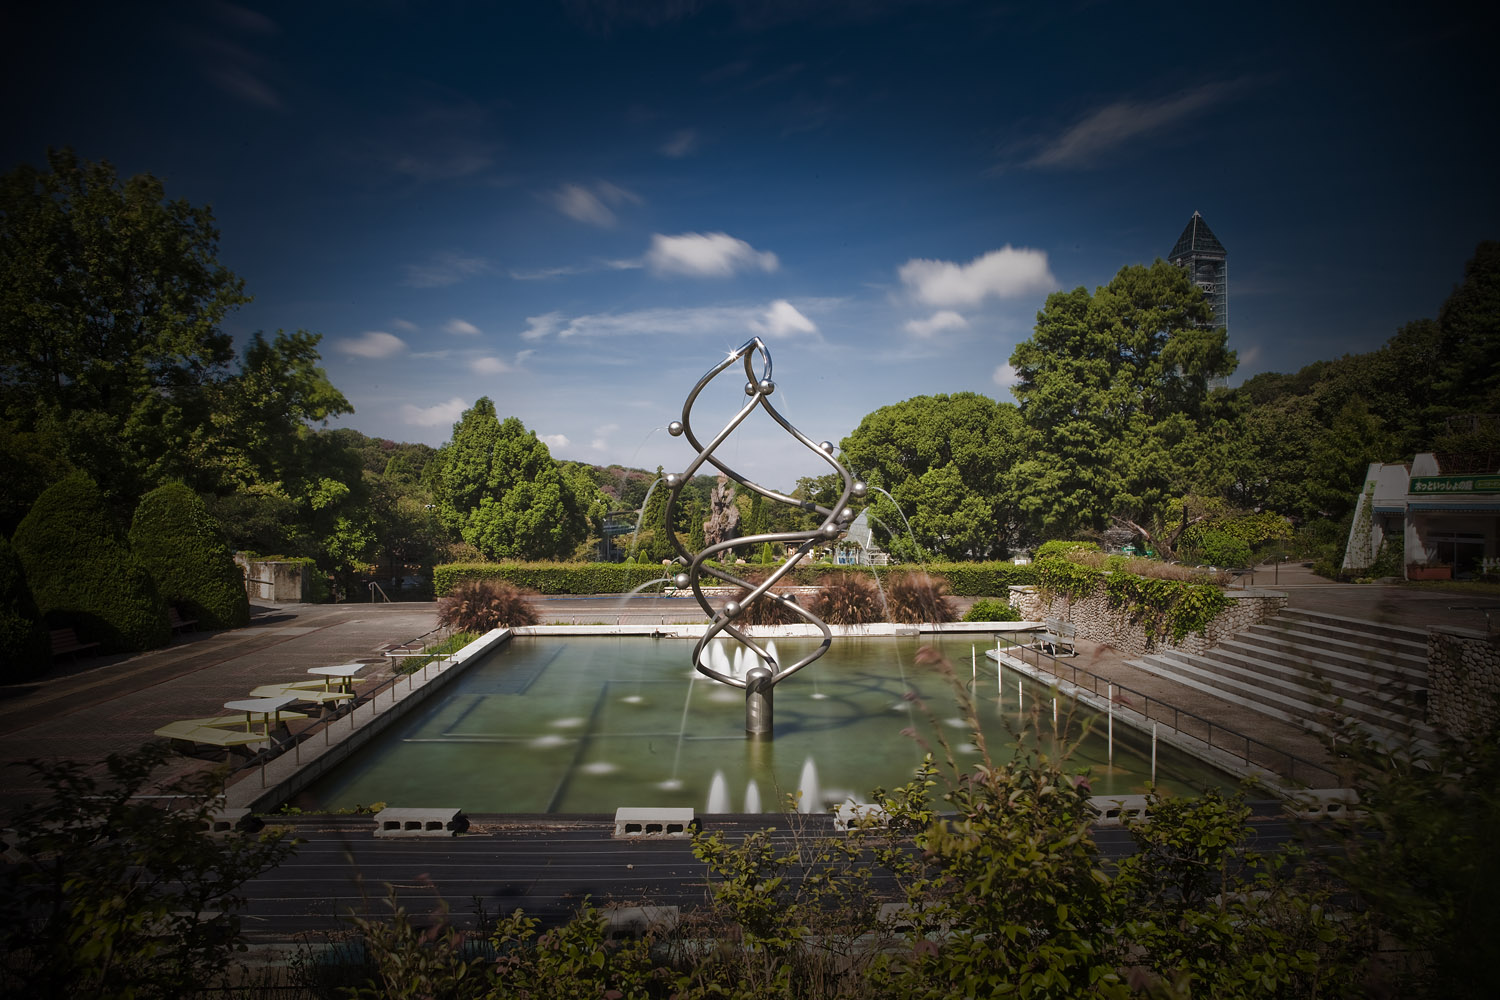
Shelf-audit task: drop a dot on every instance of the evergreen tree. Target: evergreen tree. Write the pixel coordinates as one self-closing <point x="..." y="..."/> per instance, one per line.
<point x="181" y="546"/>
<point x="83" y="573"/>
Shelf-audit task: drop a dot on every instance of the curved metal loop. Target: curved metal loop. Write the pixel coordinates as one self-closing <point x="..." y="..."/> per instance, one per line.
<point x="759" y="390"/>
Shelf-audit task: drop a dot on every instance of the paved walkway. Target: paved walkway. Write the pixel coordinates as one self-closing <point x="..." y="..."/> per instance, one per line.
<point x="99" y="705"/>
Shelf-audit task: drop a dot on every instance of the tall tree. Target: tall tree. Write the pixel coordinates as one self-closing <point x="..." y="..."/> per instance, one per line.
<point x="496" y="483"/>
<point x="1114" y="396"/>
<point x="940" y="455"/>
<point x="110" y="305"/>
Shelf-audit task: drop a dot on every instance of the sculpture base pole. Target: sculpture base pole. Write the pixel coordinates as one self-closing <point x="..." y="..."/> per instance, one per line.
<point x="758" y="702"/>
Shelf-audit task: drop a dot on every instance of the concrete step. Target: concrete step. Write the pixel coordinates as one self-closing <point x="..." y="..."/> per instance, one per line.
<point x="1338" y="626"/>
<point x="1341" y="663"/>
<point x="1292" y="703"/>
<point x="1345" y="682"/>
<point x="1251" y="676"/>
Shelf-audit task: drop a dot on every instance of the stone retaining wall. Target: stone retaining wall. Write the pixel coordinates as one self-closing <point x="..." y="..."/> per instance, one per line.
<point x="1097" y="621"/>
<point x="1463" y="680"/>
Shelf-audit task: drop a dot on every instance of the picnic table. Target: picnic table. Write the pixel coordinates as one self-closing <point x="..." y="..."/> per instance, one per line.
<point x="264" y="707"/>
<point x="344" y="673"/>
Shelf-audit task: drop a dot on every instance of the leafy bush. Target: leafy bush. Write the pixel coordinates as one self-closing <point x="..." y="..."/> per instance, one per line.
<point x="846" y="599"/>
<point x="24" y="648"/>
<point x="1164" y="606"/>
<point x="1058" y="548"/>
<point x="113" y="895"/>
<point x="83" y="573"/>
<point x="916" y="597"/>
<point x="481" y="605"/>
<point x="183" y="548"/>
<point x="965" y="579"/>
<point x="1218" y="548"/>
<point x="763" y="611"/>
<point x="989" y="610"/>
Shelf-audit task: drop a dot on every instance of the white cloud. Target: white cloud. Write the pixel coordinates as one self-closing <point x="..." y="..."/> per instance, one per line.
<point x="443" y="270"/>
<point x="542" y="273"/>
<point x="943" y="319"/>
<point x="1005" y="376"/>
<point x="405" y="325"/>
<point x="434" y="416"/>
<point x="706" y="255"/>
<point x="521" y="356"/>
<point x="782" y="320"/>
<point x="538" y="327"/>
<point x="683" y="142"/>
<point x="373" y="344"/>
<point x="606" y="428"/>
<point x="625" y="264"/>
<point x="461" y="327"/>
<point x="599" y="444"/>
<point x="1003" y="274"/>
<point x="554" y="440"/>
<point x="580" y="203"/>
<point x="490" y="366"/>
<point x="1114" y="125"/>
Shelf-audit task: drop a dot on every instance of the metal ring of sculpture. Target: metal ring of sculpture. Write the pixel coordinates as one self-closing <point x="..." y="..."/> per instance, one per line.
<point x="759" y="680"/>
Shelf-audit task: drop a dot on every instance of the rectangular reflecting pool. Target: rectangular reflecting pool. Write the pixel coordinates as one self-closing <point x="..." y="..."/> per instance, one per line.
<point x="589" y="724"/>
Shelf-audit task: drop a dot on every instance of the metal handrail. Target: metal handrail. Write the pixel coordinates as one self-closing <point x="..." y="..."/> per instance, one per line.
<point x="374" y="587"/>
<point x="1265" y="755"/>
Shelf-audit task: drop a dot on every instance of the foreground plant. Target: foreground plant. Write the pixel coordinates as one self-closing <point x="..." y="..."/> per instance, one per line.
<point x="1003" y="891"/>
<point x="114" y="895"/>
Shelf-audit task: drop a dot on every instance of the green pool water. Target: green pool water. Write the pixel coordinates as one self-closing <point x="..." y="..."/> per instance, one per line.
<point x="588" y="724"/>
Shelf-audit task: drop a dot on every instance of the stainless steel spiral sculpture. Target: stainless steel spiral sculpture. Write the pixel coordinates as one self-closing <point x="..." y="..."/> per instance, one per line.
<point x="760" y="679"/>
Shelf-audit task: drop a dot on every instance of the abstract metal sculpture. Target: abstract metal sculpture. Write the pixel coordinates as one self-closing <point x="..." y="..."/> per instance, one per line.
<point x="761" y="678"/>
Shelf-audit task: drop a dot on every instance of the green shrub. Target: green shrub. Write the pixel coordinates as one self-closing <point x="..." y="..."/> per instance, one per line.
<point x="964" y="579"/>
<point x="452" y="644"/>
<point x="480" y="605"/>
<point x="846" y="599"/>
<point x="24" y="648"/>
<point x="1058" y="548"/>
<point x="1218" y="548"/>
<point x="915" y="598"/>
<point x="183" y="548"/>
<point x="82" y="571"/>
<point x="989" y="610"/>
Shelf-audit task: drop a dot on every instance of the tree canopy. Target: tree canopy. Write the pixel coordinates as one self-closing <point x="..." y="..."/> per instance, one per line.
<point x="944" y="458"/>
<point x="497" y="485"/>
<point x="1114" y="397"/>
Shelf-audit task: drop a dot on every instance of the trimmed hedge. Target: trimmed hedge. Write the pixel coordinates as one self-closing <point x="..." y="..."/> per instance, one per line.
<point x="83" y="573"/>
<point x="24" y="646"/>
<point x="1161" y="606"/>
<point x="183" y="548"/>
<point x="988" y="579"/>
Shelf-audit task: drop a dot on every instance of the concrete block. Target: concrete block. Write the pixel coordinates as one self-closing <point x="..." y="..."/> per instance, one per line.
<point x="653" y="823"/>
<point x="398" y="821"/>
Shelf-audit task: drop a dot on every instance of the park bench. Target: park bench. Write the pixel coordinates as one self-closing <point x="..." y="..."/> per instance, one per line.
<point x="65" y="640"/>
<point x="1057" y="636"/>
<point x="179" y="623"/>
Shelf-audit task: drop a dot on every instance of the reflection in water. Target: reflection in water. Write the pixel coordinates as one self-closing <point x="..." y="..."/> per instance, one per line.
<point x="616" y="721"/>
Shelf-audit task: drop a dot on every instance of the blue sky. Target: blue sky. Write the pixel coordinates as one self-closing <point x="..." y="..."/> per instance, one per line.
<point x="577" y="208"/>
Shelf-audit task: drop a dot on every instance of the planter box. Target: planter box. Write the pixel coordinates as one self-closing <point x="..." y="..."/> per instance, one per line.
<point x="1430" y="573"/>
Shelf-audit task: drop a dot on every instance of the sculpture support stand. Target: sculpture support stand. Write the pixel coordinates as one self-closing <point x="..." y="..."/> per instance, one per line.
<point x="760" y="679"/>
<point x="759" y="714"/>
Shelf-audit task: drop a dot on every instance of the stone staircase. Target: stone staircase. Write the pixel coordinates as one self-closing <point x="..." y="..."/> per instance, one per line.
<point x="1300" y="665"/>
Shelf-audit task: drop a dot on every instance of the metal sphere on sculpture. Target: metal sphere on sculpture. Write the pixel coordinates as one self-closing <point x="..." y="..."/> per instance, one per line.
<point x="766" y="386"/>
<point x="675" y="428"/>
<point x="681" y="581"/>
<point x="732" y="609"/>
<point x="859" y="489"/>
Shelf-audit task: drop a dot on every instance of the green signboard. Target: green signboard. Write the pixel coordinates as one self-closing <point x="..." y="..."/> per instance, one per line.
<point x="1454" y="484"/>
